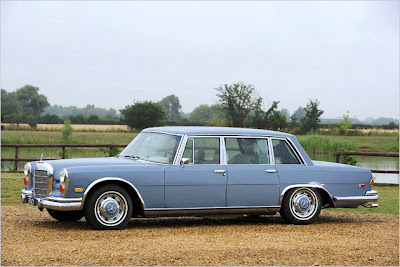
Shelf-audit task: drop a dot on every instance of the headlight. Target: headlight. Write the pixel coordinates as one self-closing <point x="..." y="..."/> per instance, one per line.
<point x="63" y="181"/>
<point x="27" y="173"/>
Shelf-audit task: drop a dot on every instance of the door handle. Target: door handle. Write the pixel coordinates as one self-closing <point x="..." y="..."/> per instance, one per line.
<point x="270" y="171"/>
<point x="220" y="171"/>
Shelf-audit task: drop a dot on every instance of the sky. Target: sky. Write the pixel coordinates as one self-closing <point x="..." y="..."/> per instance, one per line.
<point x="345" y="54"/>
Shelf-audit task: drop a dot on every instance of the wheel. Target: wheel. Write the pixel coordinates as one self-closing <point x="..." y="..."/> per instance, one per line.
<point x="301" y="206"/>
<point x="109" y="208"/>
<point x="66" y="216"/>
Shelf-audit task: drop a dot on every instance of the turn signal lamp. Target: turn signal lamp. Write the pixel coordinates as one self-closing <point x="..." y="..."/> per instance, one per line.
<point x="372" y="182"/>
<point x="61" y="188"/>
<point x="361" y="186"/>
<point x="25" y="181"/>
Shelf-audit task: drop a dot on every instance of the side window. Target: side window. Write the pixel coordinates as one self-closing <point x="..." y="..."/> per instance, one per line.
<point x="283" y="153"/>
<point x="247" y="151"/>
<point x="202" y="150"/>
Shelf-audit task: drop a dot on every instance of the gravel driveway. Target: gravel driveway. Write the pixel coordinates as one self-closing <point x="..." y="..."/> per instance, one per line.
<point x="30" y="237"/>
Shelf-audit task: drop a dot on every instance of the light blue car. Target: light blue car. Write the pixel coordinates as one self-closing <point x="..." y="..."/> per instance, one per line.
<point x="178" y="171"/>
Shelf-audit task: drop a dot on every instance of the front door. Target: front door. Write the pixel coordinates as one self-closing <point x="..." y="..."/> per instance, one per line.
<point x="202" y="182"/>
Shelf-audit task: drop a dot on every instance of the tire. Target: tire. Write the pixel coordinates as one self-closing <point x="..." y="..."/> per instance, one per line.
<point x="66" y="216"/>
<point x="301" y="206"/>
<point x="108" y="208"/>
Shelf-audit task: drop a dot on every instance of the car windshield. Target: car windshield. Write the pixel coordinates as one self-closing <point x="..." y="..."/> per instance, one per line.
<point x="156" y="147"/>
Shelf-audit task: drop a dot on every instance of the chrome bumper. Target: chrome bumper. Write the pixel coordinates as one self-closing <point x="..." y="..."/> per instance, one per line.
<point x="53" y="203"/>
<point x="370" y="196"/>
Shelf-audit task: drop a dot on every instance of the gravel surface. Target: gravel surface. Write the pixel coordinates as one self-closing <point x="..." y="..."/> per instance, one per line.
<point x="30" y="237"/>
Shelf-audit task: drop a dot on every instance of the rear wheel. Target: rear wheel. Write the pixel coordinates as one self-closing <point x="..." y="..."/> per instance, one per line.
<point x="301" y="206"/>
<point x="66" y="216"/>
<point x="109" y="208"/>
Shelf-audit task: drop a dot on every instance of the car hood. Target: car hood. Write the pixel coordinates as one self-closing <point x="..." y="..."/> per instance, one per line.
<point x="95" y="162"/>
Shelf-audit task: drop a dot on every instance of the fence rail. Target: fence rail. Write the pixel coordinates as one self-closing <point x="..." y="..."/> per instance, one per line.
<point x="62" y="146"/>
<point x="370" y="154"/>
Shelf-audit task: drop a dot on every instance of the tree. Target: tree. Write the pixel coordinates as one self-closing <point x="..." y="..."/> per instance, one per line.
<point x="141" y="115"/>
<point x="237" y="100"/>
<point x="205" y="113"/>
<point x="10" y="105"/>
<point x="345" y="124"/>
<point x="31" y="101"/>
<point x="171" y="107"/>
<point x="310" y="122"/>
<point x="299" y="113"/>
<point x="66" y="131"/>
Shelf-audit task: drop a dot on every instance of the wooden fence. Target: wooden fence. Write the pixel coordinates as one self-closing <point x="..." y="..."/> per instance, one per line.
<point x="16" y="159"/>
<point x="370" y="154"/>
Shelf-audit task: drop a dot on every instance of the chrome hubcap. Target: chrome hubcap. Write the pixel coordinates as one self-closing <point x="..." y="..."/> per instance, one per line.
<point x="303" y="204"/>
<point x="111" y="208"/>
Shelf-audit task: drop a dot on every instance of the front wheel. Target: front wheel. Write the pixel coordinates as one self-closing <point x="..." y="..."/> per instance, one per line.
<point x="109" y="208"/>
<point x="301" y="206"/>
<point x="66" y="216"/>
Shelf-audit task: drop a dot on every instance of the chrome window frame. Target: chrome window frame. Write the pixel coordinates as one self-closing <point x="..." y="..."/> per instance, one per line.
<point x="292" y="147"/>
<point x="182" y="149"/>
<point x="174" y="162"/>
<point x="248" y="137"/>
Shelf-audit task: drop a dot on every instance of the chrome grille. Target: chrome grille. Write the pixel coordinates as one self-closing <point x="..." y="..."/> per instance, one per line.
<point x="40" y="183"/>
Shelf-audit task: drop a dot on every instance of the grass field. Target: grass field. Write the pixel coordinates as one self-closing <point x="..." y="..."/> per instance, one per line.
<point x="12" y="184"/>
<point x="326" y="143"/>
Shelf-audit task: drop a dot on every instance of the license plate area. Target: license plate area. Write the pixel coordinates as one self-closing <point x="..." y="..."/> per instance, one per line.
<point x="31" y="201"/>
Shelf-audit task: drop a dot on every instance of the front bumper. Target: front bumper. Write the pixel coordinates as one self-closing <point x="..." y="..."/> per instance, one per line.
<point x="53" y="203"/>
<point x="370" y="196"/>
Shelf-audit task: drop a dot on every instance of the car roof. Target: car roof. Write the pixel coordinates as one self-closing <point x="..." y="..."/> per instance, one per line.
<point x="209" y="130"/>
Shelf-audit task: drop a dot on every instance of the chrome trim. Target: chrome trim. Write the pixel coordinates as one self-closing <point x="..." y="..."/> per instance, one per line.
<point x="53" y="203"/>
<point x="294" y="149"/>
<point x="222" y="151"/>
<point x="111" y="179"/>
<point x="220" y="171"/>
<point x="66" y="181"/>
<point x="370" y="196"/>
<point x="180" y="150"/>
<point x="371" y="193"/>
<point x="357" y="199"/>
<point x="211" y="211"/>
<point x="314" y="185"/>
<point x="44" y="166"/>
<point x="271" y="171"/>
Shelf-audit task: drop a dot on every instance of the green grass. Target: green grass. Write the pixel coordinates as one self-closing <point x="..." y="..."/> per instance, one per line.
<point x="328" y="144"/>
<point x="12" y="184"/>
<point x="47" y="137"/>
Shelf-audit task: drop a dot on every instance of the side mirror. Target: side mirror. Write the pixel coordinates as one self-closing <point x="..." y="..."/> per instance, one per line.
<point x="184" y="161"/>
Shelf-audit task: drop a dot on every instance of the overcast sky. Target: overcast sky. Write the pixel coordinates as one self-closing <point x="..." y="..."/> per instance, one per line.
<point x="345" y="54"/>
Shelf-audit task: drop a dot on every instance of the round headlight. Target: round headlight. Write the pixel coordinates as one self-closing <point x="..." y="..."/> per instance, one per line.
<point x="27" y="170"/>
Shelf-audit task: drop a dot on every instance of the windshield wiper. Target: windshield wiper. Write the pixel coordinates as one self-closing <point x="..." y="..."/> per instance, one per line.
<point x="131" y="156"/>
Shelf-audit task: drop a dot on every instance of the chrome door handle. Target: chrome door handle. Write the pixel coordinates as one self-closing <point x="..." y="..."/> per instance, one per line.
<point x="270" y="171"/>
<point x="220" y="171"/>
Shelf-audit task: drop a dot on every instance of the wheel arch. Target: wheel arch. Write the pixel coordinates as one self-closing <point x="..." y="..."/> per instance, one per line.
<point x="327" y="198"/>
<point x="139" y="204"/>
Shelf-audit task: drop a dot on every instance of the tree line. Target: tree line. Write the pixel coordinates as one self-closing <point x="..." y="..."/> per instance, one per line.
<point x="238" y="105"/>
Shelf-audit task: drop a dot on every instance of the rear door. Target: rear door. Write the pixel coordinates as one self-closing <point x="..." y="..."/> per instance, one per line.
<point x="252" y="180"/>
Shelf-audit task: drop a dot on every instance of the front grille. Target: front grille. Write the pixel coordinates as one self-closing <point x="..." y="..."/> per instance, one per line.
<point x="40" y="183"/>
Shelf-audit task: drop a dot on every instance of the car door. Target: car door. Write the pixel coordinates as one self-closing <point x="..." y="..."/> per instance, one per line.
<point x="252" y="180"/>
<point x="202" y="182"/>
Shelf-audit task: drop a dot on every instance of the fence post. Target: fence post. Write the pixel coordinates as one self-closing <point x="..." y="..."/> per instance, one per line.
<point x="111" y="151"/>
<point x="16" y="158"/>
<point x="63" y="152"/>
<point x="337" y="157"/>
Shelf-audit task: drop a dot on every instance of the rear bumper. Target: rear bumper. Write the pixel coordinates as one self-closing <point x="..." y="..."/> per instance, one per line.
<point x="370" y="196"/>
<point x="53" y="203"/>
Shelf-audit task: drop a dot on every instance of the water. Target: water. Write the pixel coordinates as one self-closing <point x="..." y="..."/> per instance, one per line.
<point x="374" y="163"/>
